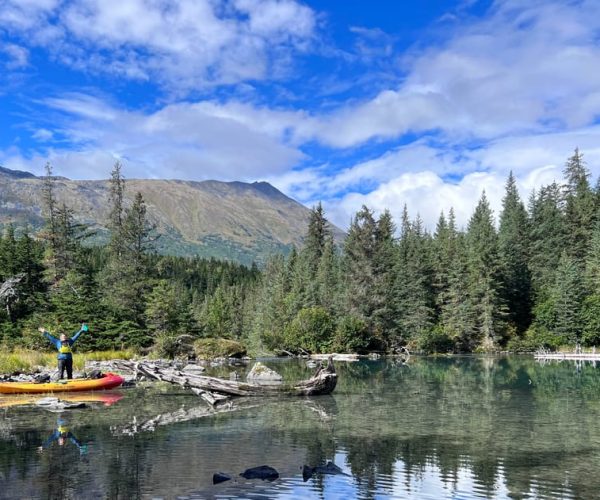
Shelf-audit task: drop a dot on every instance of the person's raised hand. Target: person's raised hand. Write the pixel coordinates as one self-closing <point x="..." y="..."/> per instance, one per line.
<point x="41" y="329"/>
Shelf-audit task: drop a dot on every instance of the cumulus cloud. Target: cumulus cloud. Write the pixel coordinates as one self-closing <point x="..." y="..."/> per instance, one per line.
<point x="186" y="141"/>
<point x="516" y="89"/>
<point x="185" y="44"/>
<point x="426" y="194"/>
<point x="527" y="67"/>
<point x="430" y="177"/>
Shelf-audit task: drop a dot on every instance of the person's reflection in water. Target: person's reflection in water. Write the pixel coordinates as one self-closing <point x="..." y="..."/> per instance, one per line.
<point x="62" y="434"/>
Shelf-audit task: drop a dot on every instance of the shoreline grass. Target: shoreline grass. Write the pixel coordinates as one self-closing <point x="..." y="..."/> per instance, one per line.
<point x="26" y="360"/>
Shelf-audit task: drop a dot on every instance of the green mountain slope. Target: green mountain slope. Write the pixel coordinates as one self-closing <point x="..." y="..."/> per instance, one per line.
<point x="232" y="220"/>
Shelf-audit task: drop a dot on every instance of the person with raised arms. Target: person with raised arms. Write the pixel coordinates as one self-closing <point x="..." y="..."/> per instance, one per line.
<point x="64" y="345"/>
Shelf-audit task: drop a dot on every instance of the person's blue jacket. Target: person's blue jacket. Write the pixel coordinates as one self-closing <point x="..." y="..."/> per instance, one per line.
<point x="64" y="350"/>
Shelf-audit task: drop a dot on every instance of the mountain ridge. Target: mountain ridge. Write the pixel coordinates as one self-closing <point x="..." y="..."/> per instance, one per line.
<point x="234" y="220"/>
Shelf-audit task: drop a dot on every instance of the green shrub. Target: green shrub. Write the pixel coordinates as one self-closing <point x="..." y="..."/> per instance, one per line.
<point x="351" y="335"/>
<point x="536" y="337"/>
<point x="591" y="320"/>
<point x="435" y="340"/>
<point x="218" y="348"/>
<point x="311" y="330"/>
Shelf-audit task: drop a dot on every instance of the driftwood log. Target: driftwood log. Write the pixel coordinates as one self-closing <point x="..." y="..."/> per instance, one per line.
<point x="181" y="415"/>
<point x="215" y="390"/>
<point x="196" y="412"/>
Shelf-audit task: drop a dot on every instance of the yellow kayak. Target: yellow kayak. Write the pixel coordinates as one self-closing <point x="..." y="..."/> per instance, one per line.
<point x="108" y="381"/>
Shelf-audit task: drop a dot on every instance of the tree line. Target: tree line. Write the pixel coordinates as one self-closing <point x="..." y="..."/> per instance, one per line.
<point x="530" y="279"/>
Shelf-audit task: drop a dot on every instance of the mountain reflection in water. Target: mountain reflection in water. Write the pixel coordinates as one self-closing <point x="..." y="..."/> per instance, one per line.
<point x="463" y="427"/>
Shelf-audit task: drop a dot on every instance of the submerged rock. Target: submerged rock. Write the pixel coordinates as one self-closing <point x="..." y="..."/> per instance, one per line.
<point x="329" y="468"/>
<point x="263" y="472"/>
<point x="220" y="477"/>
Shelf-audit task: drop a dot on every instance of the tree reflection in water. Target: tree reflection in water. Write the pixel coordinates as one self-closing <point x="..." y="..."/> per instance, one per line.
<point x="468" y="426"/>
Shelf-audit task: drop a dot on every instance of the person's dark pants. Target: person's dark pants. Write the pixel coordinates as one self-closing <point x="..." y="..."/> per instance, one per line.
<point x="65" y="364"/>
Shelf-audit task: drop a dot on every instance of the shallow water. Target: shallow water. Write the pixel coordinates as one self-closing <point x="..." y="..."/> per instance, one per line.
<point x="459" y="428"/>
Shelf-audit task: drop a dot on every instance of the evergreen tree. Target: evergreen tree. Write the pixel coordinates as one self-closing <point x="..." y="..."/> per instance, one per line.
<point x="328" y="278"/>
<point x="273" y="310"/>
<point x="306" y="286"/>
<point x="165" y="310"/>
<point x="580" y="205"/>
<point x="413" y="288"/>
<point x="384" y="263"/>
<point x="485" y="285"/>
<point x="568" y="300"/>
<point x="63" y="234"/>
<point x="117" y="211"/>
<point x="358" y="268"/>
<point x="317" y="235"/>
<point x="444" y="247"/>
<point x="548" y="236"/>
<point x="458" y="311"/>
<point x="513" y="246"/>
<point x="592" y="263"/>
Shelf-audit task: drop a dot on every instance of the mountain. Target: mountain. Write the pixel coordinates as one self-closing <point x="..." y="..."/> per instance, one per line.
<point x="231" y="220"/>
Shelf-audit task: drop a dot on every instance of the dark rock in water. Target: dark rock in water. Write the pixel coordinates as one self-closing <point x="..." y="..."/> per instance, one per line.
<point x="263" y="472"/>
<point x="307" y="472"/>
<point x="330" y="468"/>
<point x="220" y="477"/>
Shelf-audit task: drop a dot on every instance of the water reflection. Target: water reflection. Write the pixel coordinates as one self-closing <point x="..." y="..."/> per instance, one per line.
<point x="61" y="435"/>
<point x="435" y="428"/>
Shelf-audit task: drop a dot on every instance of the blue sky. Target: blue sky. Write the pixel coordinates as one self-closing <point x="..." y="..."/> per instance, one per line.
<point x="349" y="102"/>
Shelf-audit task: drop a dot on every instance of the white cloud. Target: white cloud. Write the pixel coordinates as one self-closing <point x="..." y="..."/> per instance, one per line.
<point x="514" y="90"/>
<point x="527" y="67"/>
<point x="187" y="141"/>
<point x="185" y="44"/>
<point x="429" y="178"/>
<point x="17" y="56"/>
<point x="42" y="134"/>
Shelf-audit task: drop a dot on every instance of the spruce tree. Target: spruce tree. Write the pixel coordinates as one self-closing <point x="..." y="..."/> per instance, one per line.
<point x="548" y="237"/>
<point x="513" y="246"/>
<point x="458" y="311"/>
<point x="328" y="278"/>
<point x="484" y="269"/>
<point x="413" y="287"/>
<point x="580" y="205"/>
<point x="358" y="267"/>
<point x="592" y="263"/>
<point x="384" y="267"/>
<point x="568" y="300"/>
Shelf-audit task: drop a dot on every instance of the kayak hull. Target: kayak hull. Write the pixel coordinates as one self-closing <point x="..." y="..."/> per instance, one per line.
<point x="108" y="381"/>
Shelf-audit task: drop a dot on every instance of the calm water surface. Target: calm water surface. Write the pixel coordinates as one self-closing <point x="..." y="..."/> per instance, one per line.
<point x="455" y="428"/>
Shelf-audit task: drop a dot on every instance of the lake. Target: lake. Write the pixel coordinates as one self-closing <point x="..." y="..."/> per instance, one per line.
<point x="460" y="428"/>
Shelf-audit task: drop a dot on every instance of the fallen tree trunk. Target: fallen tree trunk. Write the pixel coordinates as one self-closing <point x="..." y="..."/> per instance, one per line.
<point x="322" y="382"/>
<point x="186" y="414"/>
<point x="181" y="415"/>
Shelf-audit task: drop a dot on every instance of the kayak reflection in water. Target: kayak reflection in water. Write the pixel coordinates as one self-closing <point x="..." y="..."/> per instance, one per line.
<point x="62" y="434"/>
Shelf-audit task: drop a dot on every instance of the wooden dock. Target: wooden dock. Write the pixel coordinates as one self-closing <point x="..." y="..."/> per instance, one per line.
<point x="568" y="356"/>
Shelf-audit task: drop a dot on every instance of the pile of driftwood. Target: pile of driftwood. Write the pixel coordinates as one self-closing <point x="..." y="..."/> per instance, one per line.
<point x="215" y="390"/>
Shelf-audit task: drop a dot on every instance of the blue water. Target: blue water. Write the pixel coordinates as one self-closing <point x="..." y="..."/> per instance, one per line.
<point x="460" y="428"/>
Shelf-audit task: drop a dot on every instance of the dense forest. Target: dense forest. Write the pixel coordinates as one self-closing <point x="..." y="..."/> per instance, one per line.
<point x="530" y="279"/>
